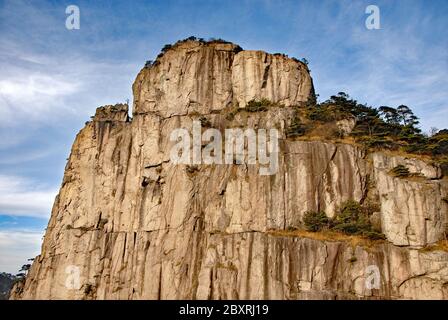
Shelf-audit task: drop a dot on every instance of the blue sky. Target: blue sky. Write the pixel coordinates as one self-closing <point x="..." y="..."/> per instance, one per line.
<point x="52" y="79"/>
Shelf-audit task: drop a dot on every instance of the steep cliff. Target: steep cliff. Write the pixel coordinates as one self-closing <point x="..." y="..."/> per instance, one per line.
<point x="134" y="225"/>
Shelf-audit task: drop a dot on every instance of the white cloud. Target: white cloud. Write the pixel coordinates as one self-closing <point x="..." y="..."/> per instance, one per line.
<point x="16" y="247"/>
<point x="33" y="95"/>
<point x="65" y="89"/>
<point x="22" y="197"/>
<point x="34" y="87"/>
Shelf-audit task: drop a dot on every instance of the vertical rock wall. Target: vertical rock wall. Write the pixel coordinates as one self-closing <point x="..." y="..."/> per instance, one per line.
<point x="133" y="225"/>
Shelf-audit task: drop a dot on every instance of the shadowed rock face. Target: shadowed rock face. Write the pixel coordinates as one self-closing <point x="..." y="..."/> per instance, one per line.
<point x="137" y="226"/>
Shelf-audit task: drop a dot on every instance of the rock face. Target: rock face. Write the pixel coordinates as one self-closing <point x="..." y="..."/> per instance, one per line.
<point x="130" y="224"/>
<point x="413" y="212"/>
<point x="198" y="78"/>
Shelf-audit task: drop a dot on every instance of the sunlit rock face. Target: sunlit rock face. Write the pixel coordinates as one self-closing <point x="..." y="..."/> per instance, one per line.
<point x="133" y="225"/>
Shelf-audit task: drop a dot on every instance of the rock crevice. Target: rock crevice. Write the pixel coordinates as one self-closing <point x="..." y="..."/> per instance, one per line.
<point x="137" y="226"/>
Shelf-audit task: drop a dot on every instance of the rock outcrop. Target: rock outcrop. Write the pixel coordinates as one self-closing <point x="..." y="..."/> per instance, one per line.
<point x="130" y="224"/>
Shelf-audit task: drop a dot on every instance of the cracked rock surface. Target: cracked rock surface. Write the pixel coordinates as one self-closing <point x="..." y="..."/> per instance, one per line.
<point x="137" y="226"/>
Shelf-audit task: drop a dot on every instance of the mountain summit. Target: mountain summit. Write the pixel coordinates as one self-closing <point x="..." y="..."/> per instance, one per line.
<point x="333" y="222"/>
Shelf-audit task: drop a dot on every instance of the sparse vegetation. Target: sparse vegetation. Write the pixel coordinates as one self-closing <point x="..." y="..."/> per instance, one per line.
<point x="253" y="106"/>
<point x="352" y="219"/>
<point x="231" y="115"/>
<point x="326" y="235"/>
<point x="385" y="127"/>
<point x="168" y="46"/>
<point x="443" y="163"/>
<point x="257" y="106"/>
<point x="400" y="171"/>
<point x="373" y="235"/>
<point x="315" y="221"/>
<point x="441" y="245"/>
<point x="296" y="128"/>
<point x="205" y="122"/>
<point x="7" y="280"/>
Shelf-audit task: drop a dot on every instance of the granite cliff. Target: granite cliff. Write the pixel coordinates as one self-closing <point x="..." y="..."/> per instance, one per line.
<point x="136" y="226"/>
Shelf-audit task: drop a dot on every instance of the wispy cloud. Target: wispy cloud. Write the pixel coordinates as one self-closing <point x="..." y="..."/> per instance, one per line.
<point x="40" y="93"/>
<point x="51" y="75"/>
<point x="403" y="63"/>
<point x="16" y="247"/>
<point x="32" y="96"/>
<point x="24" y="197"/>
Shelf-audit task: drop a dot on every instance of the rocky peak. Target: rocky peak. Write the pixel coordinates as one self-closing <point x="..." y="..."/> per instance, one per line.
<point x="205" y="77"/>
<point x="128" y="223"/>
<point x="117" y="112"/>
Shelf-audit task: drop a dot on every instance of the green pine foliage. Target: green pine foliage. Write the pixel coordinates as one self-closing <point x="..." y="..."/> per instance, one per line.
<point x="400" y="171"/>
<point x="205" y="122"/>
<point x="382" y="128"/>
<point x="315" y="221"/>
<point x="296" y="128"/>
<point x="258" y="105"/>
<point x="352" y="218"/>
